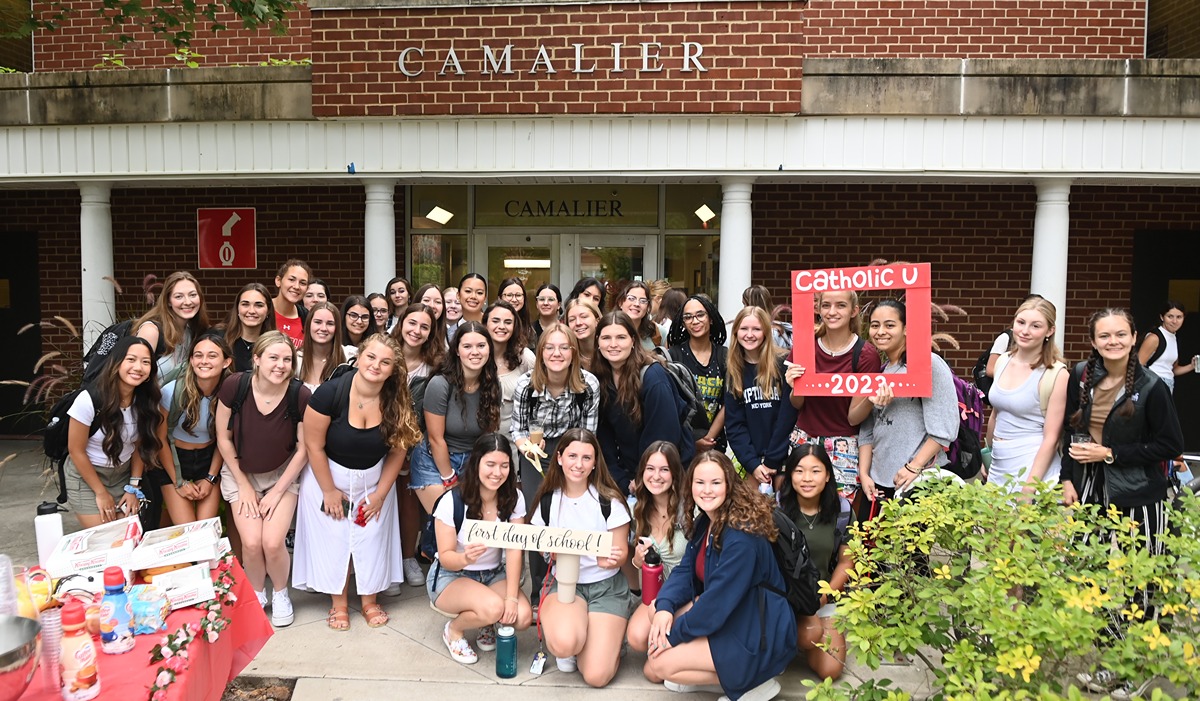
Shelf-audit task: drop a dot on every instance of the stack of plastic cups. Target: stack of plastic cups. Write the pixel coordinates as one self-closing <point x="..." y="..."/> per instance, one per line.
<point x="51" y="649"/>
<point x="8" y="588"/>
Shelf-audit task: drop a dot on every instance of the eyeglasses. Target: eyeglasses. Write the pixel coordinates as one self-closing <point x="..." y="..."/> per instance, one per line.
<point x="355" y="316"/>
<point x="698" y="316"/>
<point x="546" y="300"/>
<point x="379" y="312"/>
<point x="634" y="299"/>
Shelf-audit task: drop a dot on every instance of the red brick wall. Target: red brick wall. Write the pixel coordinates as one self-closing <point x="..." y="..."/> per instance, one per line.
<point x="979" y="240"/>
<point x="154" y="231"/>
<point x="81" y="41"/>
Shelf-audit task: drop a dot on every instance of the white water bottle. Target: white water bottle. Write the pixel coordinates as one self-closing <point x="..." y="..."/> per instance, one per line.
<point x="48" y="528"/>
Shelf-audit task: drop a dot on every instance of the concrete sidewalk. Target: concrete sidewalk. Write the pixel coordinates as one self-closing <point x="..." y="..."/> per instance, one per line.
<point x="406" y="656"/>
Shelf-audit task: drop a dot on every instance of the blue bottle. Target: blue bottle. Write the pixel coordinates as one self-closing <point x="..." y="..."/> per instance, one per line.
<point x="116" y="614"/>
<point x="506" y="652"/>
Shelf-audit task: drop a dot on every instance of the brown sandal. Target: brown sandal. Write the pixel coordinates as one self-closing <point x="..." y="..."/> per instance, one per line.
<point x="375" y="616"/>
<point x="338" y="619"/>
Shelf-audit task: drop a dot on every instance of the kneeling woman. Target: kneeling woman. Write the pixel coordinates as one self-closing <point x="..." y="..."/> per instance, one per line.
<point x="359" y="427"/>
<point x="578" y="493"/>
<point x="469" y="579"/>
<point x="809" y="497"/>
<point x="720" y="618"/>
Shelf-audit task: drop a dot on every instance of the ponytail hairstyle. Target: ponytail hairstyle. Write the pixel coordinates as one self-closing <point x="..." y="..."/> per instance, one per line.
<point x="190" y="387"/>
<point x="629" y="390"/>
<point x="768" y="375"/>
<point x="106" y="399"/>
<point x="506" y="494"/>
<point x="1091" y="371"/>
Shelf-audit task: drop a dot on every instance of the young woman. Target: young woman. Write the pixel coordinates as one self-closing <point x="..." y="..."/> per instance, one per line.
<point x="250" y="318"/>
<point x="832" y="422"/>
<point x="902" y="436"/>
<point x="638" y="400"/>
<point x="809" y="497"/>
<point x="177" y="318"/>
<point x="422" y="354"/>
<point x="549" y="307"/>
<point x="513" y="359"/>
<point x="586" y="634"/>
<point x="322" y="351"/>
<point x="380" y="311"/>
<point x="469" y="579"/>
<point x="317" y="291"/>
<point x="1121" y="427"/>
<point x="106" y="467"/>
<point x="758" y="416"/>
<point x="759" y="296"/>
<point x="263" y="449"/>
<point x="461" y="404"/>
<point x="292" y="283"/>
<point x="669" y="307"/>
<point x="717" y="620"/>
<point x="191" y="463"/>
<point x="359" y="427"/>
<point x="634" y="300"/>
<point x="1160" y="349"/>
<point x="657" y="519"/>
<point x="398" y="299"/>
<point x="512" y="290"/>
<point x="556" y="395"/>
<point x="1028" y="397"/>
<point x="358" y="323"/>
<point x="590" y="289"/>
<point x="453" y="315"/>
<point x="582" y="317"/>
<point x="472" y="293"/>
<point x="431" y="296"/>
<point x="697" y="341"/>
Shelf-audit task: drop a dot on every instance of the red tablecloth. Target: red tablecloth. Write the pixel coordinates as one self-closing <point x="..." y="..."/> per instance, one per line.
<point x="213" y="665"/>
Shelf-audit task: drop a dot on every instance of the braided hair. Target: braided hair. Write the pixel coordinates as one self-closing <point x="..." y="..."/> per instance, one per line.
<point x="1091" y="374"/>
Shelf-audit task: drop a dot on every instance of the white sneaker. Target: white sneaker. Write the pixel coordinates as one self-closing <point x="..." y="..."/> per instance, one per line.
<point x="763" y="692"/>
<point x="460" y="650"/>
<point x="393" y="590"/>
<point x="486" y="640"/>
<point x="691" y="689"/>
<point x="567" y="664"/>
<point x="281" y="609"/>
<point x="262" y="598"/>
<point x="413" y="576"/>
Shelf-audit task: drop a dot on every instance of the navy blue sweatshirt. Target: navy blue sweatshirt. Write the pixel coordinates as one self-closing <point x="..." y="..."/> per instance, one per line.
<point x="759" y="428"/>
<point x="624" y="441"/>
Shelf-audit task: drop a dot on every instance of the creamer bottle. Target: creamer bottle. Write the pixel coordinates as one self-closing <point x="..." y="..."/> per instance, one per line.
<point x="80" y="674"/>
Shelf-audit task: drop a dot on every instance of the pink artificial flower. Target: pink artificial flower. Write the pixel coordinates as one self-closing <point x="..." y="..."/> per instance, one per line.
<point x="212" y="636"/>
<point x="166" y="653"/>
<point x="163" y="679"/>
<point x="160" y="695"/>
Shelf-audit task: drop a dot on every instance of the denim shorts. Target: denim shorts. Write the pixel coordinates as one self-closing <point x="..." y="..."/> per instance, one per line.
<point x="444" y="576"/>
<point x="424" y="470"/>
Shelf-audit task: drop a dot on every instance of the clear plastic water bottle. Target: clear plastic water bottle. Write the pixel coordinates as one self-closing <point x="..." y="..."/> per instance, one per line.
<point x="506" y="652"/>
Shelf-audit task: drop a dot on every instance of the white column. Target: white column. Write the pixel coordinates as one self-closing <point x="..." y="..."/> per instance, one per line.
<point x="379" y="241"/>
<point x="1051" y="226"/>
<point x="736" y="245"/>
<point x="96" y="260"/>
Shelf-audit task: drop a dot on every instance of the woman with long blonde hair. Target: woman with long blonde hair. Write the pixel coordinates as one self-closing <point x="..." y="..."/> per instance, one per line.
<point x="178" y="317"/>
<point x="758" y="414"/>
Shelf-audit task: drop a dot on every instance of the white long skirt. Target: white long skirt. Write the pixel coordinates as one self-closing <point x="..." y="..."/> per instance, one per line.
<point x="325" y="547"/>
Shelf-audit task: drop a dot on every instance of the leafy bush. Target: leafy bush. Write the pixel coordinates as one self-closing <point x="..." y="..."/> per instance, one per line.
<point x="1002" y="598"/>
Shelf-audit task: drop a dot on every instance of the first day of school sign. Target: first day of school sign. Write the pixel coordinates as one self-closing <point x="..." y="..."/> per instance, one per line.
<point x="911" y="279"/>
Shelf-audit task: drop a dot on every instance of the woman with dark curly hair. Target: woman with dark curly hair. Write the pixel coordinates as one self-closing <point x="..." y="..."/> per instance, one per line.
<point x="107" y="465"/>
<point x="360" y="425"/>
<point x="469" y="579"/>
<point x="697" y="341"/>
<point x="461" y="404"/>
<point x="1121" y="427"/>
<point x="721" y="617"/>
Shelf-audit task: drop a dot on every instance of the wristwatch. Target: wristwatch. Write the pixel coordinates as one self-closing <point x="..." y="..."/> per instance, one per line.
<point x="1108" y="457"/>
<point x="211" y="479"/>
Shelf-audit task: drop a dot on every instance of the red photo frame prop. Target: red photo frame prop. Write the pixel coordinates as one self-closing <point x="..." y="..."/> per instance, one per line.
<point x="911" y="279"/>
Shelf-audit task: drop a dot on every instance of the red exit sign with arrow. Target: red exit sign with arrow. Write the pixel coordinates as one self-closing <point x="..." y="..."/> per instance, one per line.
<point x="226" y="238"/>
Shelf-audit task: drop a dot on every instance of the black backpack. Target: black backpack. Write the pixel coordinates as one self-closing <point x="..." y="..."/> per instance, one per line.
<point x="979" y="375"/>
<point x="544" y="506"/>
<point x="685" y="385"/>
<point x="54" y="437"/>
<point x="799" y="572"/>
<point x="96" y="357"/>
<point x="1162" y="346"/>
<point x="243" y="390"/>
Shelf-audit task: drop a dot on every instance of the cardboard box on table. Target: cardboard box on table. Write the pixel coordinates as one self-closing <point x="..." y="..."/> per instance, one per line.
<point x="178" y="545"/>
<point x="88" y="552"/>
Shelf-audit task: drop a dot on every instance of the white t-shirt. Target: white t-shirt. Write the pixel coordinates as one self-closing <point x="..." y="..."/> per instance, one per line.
<point x="1000" y="345"/>
<point x="490" y="560"/>
<point x="584" y="514"/>
<point x="84" y="412"/>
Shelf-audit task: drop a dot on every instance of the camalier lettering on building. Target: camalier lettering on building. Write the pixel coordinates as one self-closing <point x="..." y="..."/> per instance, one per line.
<point x="614" y="58"/>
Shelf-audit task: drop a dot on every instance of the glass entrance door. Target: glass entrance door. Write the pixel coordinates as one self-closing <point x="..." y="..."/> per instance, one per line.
<point x="531" y="258"/>
<point x="565" y="258"/>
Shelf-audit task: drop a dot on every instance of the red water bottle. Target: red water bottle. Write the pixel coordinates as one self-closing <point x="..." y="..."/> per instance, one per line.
<point x="652" y="576"/>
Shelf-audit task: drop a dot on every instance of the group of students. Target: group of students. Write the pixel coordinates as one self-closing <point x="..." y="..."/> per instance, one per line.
<point x="358" y="420"/>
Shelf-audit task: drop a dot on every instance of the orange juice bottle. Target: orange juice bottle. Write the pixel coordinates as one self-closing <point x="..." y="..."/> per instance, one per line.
<point x="80" y="675"/>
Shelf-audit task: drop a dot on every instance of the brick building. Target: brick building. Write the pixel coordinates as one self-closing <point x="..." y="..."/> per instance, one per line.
<point x="1051" y="145"/>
